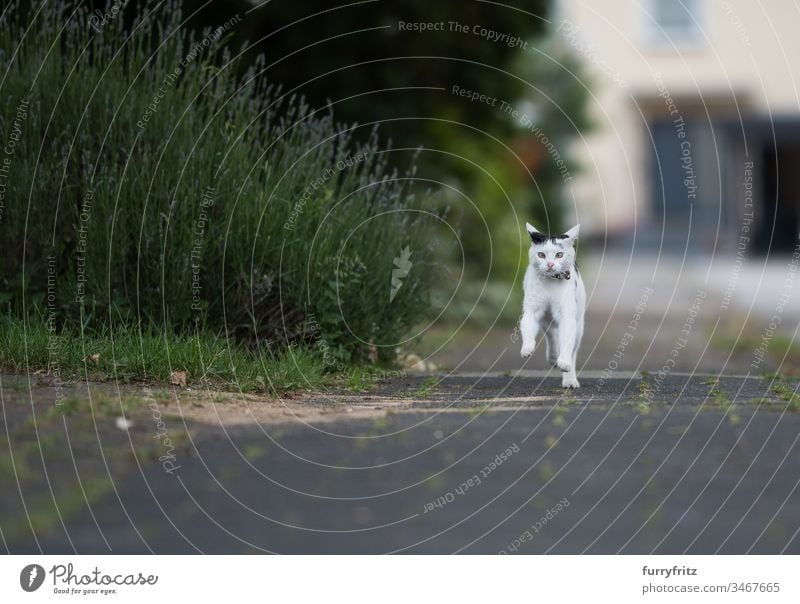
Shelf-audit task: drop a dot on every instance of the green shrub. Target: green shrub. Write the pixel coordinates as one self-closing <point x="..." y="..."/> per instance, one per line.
<point x="149" y="185"/>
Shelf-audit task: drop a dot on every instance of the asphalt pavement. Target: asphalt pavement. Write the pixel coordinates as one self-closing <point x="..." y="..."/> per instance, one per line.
<point x="504" y="463"/>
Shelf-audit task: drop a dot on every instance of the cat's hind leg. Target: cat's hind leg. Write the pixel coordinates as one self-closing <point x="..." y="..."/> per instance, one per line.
<point x="569" y="379"/>
<point x="552" y="344"/>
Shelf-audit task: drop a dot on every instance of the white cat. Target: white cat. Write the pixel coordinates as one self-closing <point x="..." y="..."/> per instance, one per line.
<point x="554" y="302"/>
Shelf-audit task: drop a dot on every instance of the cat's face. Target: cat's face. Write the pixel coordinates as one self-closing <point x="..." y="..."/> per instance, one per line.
<point x="552" y="254"/>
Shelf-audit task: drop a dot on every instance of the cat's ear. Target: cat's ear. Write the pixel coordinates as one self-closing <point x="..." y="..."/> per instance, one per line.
<point x="536" y="236"/>
<point x="571" y="235"/>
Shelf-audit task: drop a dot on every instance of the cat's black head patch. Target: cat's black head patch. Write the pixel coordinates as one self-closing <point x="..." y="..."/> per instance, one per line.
<point x="539" y="238"/>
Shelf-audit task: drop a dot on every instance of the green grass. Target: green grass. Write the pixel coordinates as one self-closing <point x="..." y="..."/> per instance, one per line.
<point x="716" y="395"/>
<point x="129" y="354"/>
<point x="782" y="388"/>
<point x="424" y="390"/>
<point x="361" y="378"/>
<point x="645" y="389"/>
<point x="786" y="392"/>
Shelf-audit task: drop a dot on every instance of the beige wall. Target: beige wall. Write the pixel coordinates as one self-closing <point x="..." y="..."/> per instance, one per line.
<point x="748" y="61"/>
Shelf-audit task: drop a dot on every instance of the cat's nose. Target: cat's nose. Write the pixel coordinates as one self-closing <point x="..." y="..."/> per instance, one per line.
<point x="550" y="264"/>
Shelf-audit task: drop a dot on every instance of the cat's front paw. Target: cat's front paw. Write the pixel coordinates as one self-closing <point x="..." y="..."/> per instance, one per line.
<point x="569" y="382"/>
<point x="527" y="350"/>
<point x="564" y="365"/>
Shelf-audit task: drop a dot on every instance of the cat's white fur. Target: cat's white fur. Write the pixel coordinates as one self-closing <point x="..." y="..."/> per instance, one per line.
<point x="554" y="306"/>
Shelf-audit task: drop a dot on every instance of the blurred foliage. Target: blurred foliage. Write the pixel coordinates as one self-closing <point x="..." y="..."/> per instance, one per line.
<point x="356" y="57"/>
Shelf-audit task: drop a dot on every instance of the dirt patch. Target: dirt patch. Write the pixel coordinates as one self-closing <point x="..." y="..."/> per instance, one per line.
<point x="138" y="403"/>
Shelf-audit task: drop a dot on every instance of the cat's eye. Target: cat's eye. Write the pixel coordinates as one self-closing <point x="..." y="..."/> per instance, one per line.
<point x="559" y="254"/>
<point x="541" y="254"/>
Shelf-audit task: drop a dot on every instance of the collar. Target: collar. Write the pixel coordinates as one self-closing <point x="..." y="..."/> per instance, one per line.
<point x="565" y="275"/>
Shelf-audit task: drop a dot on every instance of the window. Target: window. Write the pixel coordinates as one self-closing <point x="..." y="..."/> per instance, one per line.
<point x="678" y="23"/>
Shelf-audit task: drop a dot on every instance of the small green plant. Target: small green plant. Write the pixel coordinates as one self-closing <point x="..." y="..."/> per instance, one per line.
<point x="71" y="405"/>
<point x="646" y="390"/>
<point x="787" y="393"/>
<point x="720" y="398"/>
<point x="427" y="387"/>
<point x="424" y="390"/>
<point x="358" y="379"/>
<point x="716" y="394"/>
<point x="363" y="378"/>
<point x="380" y="424"/>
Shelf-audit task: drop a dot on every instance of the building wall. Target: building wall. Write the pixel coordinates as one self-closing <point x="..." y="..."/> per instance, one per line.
<point x="744" y="63"/>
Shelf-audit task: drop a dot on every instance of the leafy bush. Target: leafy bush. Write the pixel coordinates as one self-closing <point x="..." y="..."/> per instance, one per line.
<point x="147" y="183"/>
